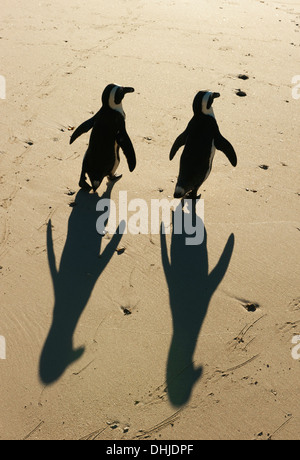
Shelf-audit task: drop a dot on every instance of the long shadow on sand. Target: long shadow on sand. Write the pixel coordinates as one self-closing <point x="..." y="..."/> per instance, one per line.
<point x="73" y="283"/>
<point x="191" y="288"/>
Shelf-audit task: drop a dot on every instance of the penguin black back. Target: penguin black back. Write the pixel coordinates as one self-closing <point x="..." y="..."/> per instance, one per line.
<point x="200" y="140"/>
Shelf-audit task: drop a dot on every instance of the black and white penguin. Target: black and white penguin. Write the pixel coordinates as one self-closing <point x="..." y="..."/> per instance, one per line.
<point x="201" y="139"/>
<point x="108" y="135"/>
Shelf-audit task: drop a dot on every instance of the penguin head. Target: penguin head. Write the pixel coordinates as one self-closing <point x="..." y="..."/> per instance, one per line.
<point x="203" y="103"/>
<point x="113" y="95"/>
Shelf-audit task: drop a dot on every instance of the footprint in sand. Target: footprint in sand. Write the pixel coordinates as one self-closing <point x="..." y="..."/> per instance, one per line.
<point x="294" y="305"/>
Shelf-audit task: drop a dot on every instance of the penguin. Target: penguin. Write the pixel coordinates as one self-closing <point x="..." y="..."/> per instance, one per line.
<point x="107" y="137"/>
<point x="200" y="140"/>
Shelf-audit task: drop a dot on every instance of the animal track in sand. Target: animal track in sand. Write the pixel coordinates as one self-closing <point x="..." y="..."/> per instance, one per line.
<point x="6" y="202"/>
<point x="294" y="305"/>
<point x="240" y="339"/>
<point x="144" y="434"/>
<point x="293" y="325"/>
<point x="4" y="238"/>
<point x="290" y="326"/>
<point x="154" y="396"/>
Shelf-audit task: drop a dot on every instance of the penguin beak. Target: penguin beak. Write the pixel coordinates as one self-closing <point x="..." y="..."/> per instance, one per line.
<point x="216" y="95"/>
<point x="120" y="93"/>
<point x="127" y="89"/>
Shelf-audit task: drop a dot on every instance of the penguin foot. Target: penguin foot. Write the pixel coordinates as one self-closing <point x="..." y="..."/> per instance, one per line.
<point x="193" y="196"/>
<point x="84" y="185"/>
<point x="114" y="177"/>
<point x="179" y="192"/>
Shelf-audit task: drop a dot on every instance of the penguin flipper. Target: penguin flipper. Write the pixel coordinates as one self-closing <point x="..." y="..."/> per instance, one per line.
<point x="179" y="142"/>
<point x="83" y="128"/>
<point x="125" y="143"/>
<point x="224" y="145"/>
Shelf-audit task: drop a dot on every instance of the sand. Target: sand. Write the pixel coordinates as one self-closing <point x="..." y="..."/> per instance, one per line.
<point x="148" y="341"/>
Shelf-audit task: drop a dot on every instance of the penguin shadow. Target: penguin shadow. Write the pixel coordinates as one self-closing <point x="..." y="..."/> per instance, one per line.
<point x="191" y="287"/>
<point x="80" y="267"/>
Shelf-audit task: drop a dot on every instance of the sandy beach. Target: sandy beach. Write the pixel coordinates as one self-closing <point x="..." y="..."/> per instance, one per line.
<point x="139" y="336"/>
